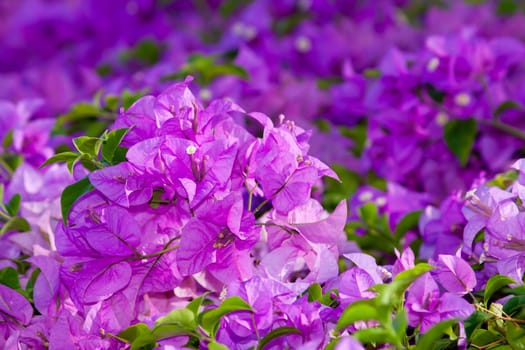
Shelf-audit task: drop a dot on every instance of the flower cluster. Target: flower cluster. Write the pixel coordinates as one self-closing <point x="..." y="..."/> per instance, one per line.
<point x="143" y="204"/>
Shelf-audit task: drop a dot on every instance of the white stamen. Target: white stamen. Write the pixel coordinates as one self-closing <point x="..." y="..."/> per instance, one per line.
<point x="380" y="201"/>
<point x="441" y="118"/>
<point x="303" y="44"/>
<point x="191" y="150"/>
<point x="433" y="64"/>
<point x="205" y="94"/>
<point x="462" y="99"/>
<point x="365" y="196"/>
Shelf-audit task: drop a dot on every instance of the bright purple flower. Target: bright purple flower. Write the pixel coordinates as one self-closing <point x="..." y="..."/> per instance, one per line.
<point x="455" y="274"/>
<point x="426" y="306"/>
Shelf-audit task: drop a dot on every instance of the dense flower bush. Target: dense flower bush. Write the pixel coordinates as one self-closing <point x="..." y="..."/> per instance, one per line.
<point x="262" y="174"/>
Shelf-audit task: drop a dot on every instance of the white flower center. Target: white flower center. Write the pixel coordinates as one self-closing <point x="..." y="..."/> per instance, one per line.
<point x="303" y="44"/>
<point x="462" y="99"/>
<point x="433" y="64"/>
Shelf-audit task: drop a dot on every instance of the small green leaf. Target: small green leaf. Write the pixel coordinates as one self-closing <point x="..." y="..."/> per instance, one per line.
<point x="132" y="332"/>
<point x="111" y="102"/>
<point x="30" y="286"/>
<point x="507" y="7"/>
<point x="400" y="323"/>
<point x="392" y="293"/>
<point x="372" y="73"/>
<point x="315" y="292"/>
<point x="17" y="224"/>
<point x="507" y="105"/>
<point x="9" y="277"/>
<point x="515" y="336"/>
<point x="375" y="335"/>
<point x="494" y="284"/>
<point x="474" y="321"/>
<point x="71" y="193"/>
<point x="514" y="304"/>
<point x="408" y="222"/>
<point x="434" y="93"/>
<point x="459" y="137"/>
<point x="138" y="335"/>
<point x="79" y="111"/>
<point x="146" y="51"/>
<point x="362" y="310"/>
<point x="276" y="333"/>
<point x="110" y="143"/>
<point x="89" y="162"/>
<point x="129" y="97"/>
<point x="213" y="345"/>
<point x="88" y="145"/>
<point x="195" y="305"/>
<point x="369" y="213"/>
<point x="8" y="139"/>
<point x="13" y="205"/>
<point x="434" y="334"/>
<point x="61" y="157"/>
<point x="210" y="319"/>
<point x="482" y="337"/>
<point x="177" y="322"/>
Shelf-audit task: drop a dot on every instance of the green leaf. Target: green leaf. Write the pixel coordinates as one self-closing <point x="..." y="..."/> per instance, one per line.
<point x="400" y="323"/>
<point x="494" y="284"/>
<point x="79" y="111"/>
<point x="375" y="335"/>
<point x="110" y="143"/>
<point x="434" y="93"/>
<point x="372" y="73"/>
<point x="89" y="162"/>
<point x="30" y="286"/>
<point x="17" y="223"/>
<point x="332" y="344"/>
<point x="435" y="333"/>
<point x="120" y="155"/>
<point x="60" y="157"/>
<point x="507" y="105"/>
<point x="146" y="51"/>
<point x="515" y="336"/>
<point x="459" y="137"/>
<point x="8" y="139"/>
<point x="408" y="222"/>
<point x="111" y="102"/>
<point x="362" y="310"/>
<point x="335" y="191"/>
<point x="195" y="305"/>
<point x="13" y="205"/>
<point x="71" y="193"/>
<point x="9" y="277"/>
<point x="208" y="67"/>
<point x="369" y="213"/>
<point x="393" y="292"/>
<point x="474" y="321"/>
<point x="507" y="7"/>
<point x="129" y="97"/>
<point x="138" y="335"/>
<point x="514" y="304"/>
<point x="276" y="333"/>
<point x="213" y="345"/>
<point x="358" y="134"/>
<point x="210" y="319"/>
<point x="315" y="292"/>
<point x="177" y="322"/>
<point x="88" y="145"/>
<point x="481" y="337"/>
